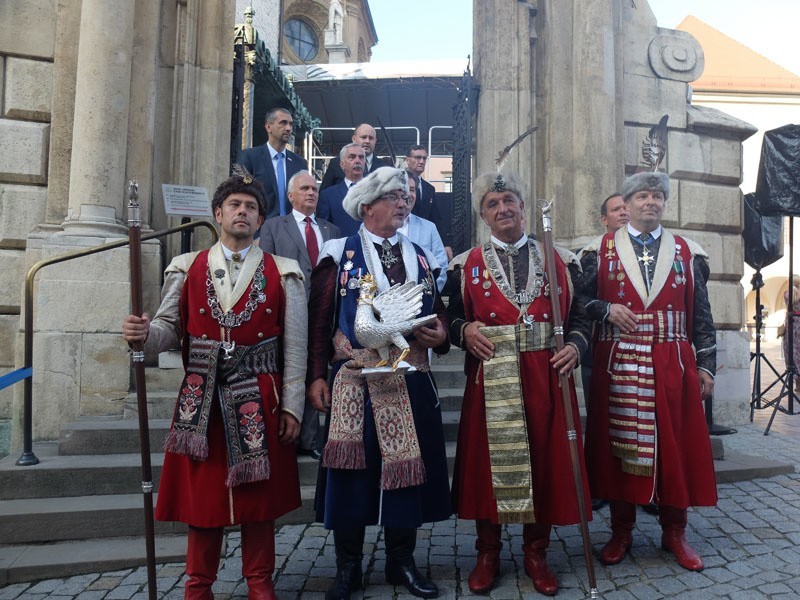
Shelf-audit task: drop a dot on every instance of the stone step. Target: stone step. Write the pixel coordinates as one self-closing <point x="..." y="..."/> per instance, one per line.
<point x="84" y="475"/>
<point x="121" y="436"/>
<point x="34" y="520"/>
<point x="23" y="563"/>
<point x="111" y="474"/>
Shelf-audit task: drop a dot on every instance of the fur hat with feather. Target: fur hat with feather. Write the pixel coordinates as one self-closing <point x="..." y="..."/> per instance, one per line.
<point x="654" y="150"/>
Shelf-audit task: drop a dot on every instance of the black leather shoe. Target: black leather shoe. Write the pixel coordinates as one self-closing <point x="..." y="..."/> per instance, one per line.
<point x="349" y="579"/>
<point x="312" y="452"/>
<point x="409" y="577"/>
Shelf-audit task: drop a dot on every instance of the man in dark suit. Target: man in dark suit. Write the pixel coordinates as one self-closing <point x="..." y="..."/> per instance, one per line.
<point x="352" y="164"/>
<point x="272" y="164"/>
<point x="365" y="136"/>
<point x="300" y="235"/>
<point x="426" y="207"/>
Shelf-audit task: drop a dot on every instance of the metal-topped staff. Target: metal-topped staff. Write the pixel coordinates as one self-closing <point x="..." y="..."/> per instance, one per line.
<point x="563" y="380"/>
<point x="137" y="354"/>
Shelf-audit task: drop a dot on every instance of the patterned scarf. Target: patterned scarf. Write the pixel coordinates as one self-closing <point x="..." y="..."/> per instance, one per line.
<point x="391" y="409"/>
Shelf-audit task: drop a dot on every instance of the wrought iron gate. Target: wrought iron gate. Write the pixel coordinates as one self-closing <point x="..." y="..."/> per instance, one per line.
<point x="463" y="119"/>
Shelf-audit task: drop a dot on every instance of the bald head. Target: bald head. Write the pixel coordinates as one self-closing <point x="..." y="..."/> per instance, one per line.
<point x="365" y="135"/>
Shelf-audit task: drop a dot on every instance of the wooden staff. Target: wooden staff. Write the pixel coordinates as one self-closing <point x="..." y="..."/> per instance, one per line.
<point x="137" y="353"/>
<point x="563" y="381"/>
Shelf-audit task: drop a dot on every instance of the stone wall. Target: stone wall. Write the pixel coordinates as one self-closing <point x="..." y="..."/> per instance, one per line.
<point x="97" y="92"/>
<point x="26" y="81"/>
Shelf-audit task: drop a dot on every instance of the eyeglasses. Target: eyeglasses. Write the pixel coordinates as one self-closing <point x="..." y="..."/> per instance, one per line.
<point x="394" y="199"/>
<point x="423" y="158"/>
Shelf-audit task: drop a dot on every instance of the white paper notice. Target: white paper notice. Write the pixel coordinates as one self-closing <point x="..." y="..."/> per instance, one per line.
<point x="186" y="200"/>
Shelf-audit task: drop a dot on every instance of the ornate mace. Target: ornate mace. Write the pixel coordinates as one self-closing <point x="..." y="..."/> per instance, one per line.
<point x="563" y="380"/>
<point x="137" y="354"/>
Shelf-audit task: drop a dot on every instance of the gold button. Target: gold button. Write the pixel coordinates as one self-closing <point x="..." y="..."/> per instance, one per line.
<point x="487" y="294"/>
<point x="669" y="306"/>
<point x="629" y="304"/>
<point x="545" y="316"/>
<point x="202" y="311"/>
<point x="493" y="315"/>
<point x="269" y="311"/>
<point x="260" y="334"/>
<point x="204" y="336"/>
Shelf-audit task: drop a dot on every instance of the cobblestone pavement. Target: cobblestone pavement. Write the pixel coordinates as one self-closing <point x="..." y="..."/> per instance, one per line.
<point x="749" y="543"/>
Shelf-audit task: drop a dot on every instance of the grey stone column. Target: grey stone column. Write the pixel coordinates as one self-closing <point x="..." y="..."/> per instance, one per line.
<point x="100" y="131"/>
<point x="502" y="44"/>
<point x="579" y="102"/>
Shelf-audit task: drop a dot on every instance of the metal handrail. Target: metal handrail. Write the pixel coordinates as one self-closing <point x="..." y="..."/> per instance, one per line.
<point x="28" y="458"/>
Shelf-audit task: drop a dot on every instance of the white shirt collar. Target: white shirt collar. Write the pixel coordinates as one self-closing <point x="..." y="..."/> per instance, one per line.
<point x="273" y="152"/>
<point x="229" y="253"/>
<point x="301" y="218"/>
<point x="518" y="244"/>
<point x="656" y="233"/>
<point x="379" y="240"/>
<point x="348" y="183"/>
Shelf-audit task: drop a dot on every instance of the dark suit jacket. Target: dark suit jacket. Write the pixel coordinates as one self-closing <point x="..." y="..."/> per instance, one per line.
<point x="259" y="162"/>
<point x="330" y="208"/>
<point x="426" y="208"/>
<point x="334" y="173"/>
<point x="280" y="235"/>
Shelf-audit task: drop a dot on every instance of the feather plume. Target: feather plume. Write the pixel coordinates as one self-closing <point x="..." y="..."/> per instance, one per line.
<point x="654" y="146"/>
<point x="240" y="171"/>
<point x="505" y="152"/>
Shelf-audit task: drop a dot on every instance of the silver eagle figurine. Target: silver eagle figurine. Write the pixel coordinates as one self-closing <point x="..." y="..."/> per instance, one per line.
<point x="384" y="320"/>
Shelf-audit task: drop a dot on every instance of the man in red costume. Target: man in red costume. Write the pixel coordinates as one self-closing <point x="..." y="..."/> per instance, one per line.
<point x="230" y="455"/>
<point x="647" y="439"/>
<point x="513" y="458"/>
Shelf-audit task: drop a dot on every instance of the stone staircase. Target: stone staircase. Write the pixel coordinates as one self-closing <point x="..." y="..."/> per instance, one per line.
<point x="80" y="510"/>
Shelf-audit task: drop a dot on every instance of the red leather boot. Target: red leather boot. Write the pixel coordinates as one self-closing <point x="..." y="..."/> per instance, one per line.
<point x="623" y="518"/>
<point x="673" y="537"/>
<point x="258" y="559"/>
<point x="202" y="562"/>
<point x="536" y="538"/>
<point x="487" y="567"/>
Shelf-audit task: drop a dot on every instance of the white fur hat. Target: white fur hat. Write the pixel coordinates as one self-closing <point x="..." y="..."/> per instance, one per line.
<point x="645" y="180"/>
<point x="497" y="181"/>
<point x="378" y="183"/>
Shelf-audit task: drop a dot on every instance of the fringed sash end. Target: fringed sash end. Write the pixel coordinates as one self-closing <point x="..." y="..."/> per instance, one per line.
<point x="344" y="454"/>
<point x="249" y="471"/>
<point x="191" y="444"/>
<point x="524" y="516"/>
<point x="403" y="473"/>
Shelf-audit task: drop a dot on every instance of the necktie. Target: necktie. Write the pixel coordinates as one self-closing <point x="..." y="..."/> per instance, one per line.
<point x="645" y="237"/>
<point x="281" y="177"/>
<point x="311" y="243"/>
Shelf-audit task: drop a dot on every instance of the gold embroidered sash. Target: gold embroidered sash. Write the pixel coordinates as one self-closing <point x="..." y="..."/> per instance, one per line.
<point x="509" y="453"/>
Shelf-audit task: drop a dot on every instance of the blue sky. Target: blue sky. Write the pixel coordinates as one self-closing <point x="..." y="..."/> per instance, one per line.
<point x="442" y="29"/>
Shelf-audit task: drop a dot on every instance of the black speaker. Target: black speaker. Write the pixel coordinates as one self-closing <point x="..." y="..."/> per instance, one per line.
<point x="763" y="236"/>
<point x="778" y="184"/>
